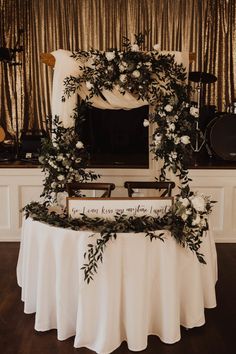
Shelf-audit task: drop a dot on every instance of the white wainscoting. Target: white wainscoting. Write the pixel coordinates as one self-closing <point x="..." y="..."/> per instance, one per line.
<point x="221" y="186"/>
<point x="18" y="186"/>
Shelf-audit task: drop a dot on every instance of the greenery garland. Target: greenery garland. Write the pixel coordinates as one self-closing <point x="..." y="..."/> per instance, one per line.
<point x="186" y="220"/>
<point x="156" y="79"/>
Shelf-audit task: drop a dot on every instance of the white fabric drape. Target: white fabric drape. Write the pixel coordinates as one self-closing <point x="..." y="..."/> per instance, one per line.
<point x="141" y="288"/>
<point x="66" y="66"/>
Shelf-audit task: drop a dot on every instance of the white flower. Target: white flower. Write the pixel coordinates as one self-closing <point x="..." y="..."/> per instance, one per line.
<point x="148" y="65"/>
<point x="53" y="184"/>
<point x="79" y="145"/>
<point x="174" y="155"/>
<point x="198" y="203"/>
<point x="61" y="199"/>
<point x="197" y="220"/>
<point x="184" y="201"/>
<point x="121" y="67"/>
<point x="60" y="177"/>
<point x="135" y="48"/>
<point x="184" y="216"/>
<point x="185" y="139"/>
<point x="176" y="140"/>
<point x="158" y="137"/>
<point x="146" y="123"/>
<point x="194" y="111"/>
<point x="162" y="114"/>
<point x="156" y="47"/>
<point x="60" y="157"/>
<point x="110" y="55"/>
<point x="172" y="127"/>
<point x="123" y="77"/>
<point x="168" y="108"/>
<point x="136" y="73"/>
<point x="89" y="85"/>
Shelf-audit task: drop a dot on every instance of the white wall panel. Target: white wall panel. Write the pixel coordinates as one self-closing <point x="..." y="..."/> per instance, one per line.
<point x="27" y="194"/>
<point x="233" y="210"/>
<point x="4" y="207"/>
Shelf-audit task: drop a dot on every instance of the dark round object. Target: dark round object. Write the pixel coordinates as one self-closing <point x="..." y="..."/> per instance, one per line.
<point x="200" y="76"/>
<point x="221" y="136"/>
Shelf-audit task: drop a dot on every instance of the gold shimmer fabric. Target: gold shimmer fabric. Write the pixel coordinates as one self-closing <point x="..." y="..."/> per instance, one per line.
<point x="206" y="27"/>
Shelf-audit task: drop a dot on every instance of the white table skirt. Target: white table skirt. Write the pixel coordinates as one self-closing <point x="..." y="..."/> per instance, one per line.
<point x="141" y="288"/>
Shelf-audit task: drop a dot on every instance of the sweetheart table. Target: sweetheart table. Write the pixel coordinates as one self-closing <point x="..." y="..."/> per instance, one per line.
<point x="142" y="288"/>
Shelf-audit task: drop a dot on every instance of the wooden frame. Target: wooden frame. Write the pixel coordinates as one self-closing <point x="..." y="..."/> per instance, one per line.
<point x="108" y="207"/>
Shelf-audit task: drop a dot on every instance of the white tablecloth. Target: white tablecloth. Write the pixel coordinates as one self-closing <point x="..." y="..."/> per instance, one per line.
<point x="141" y="287"/>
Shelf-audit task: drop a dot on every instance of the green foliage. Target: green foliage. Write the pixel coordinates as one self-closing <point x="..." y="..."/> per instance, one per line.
<point x="159" y="81"/>
<point x="64" y="160"/>
<point x="184" y="222"/>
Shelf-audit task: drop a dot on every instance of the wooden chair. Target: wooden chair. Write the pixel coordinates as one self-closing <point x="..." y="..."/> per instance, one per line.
<point x="74" y="188"/>
<point x="164" y="187"/>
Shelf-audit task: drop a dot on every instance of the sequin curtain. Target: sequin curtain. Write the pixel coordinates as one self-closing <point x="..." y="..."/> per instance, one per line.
<point x="206" y="27"/>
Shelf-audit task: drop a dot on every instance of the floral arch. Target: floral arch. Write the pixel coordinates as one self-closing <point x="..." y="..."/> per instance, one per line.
<point x="123" y="79"/>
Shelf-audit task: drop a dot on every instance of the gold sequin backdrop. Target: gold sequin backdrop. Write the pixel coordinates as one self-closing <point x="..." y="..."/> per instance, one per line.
<point x="206" y="27"/>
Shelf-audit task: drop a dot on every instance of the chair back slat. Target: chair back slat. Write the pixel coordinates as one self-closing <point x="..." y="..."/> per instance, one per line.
<point x="74" y="187"/>
<point x="164" y="187"/>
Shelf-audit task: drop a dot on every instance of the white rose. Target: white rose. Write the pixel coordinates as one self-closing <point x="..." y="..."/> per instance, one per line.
<point x="172" y="126"/>
<point x="198" y="203"/>
<point x="156" y="47"/>
<point x="122" y="77"/>
<point x="197" y="220"/>
<point x="184" y="201"/>
<point x="168" y="108"/>
<point x="162" y="114"/>
<point x="136" y="73"/>
<point x="158" y="137"/>
<point x="176" y="140"/>
<point x="135" y="48"/>
<point x="60" y="177"/>
<point x="61" y="199"/>
<point x="194" y="111"/>
<point x="184" y="216"/>
<point x="60" y="157"/>
<point x="110" y="55"/>
<point x="89" y="85"/>
<point x="148" y="65"/>
<point x="174" y="155"/>
<point x="79" y="145"/>
<point x="146" y="123"/>
<point x="185" y="139"/>
<point x="121" y="67"/>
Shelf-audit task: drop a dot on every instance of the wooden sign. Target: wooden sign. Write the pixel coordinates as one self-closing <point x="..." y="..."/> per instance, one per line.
<point x="109" y="207"/>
